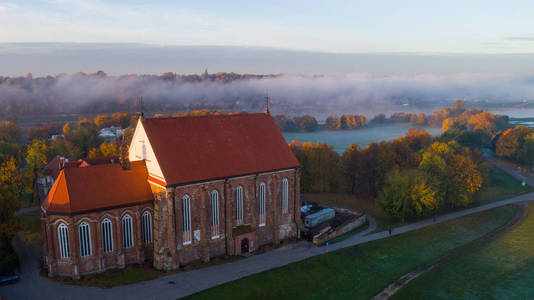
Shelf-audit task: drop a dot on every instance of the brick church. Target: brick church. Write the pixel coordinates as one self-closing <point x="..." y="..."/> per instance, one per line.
<point x="195" y="188"/>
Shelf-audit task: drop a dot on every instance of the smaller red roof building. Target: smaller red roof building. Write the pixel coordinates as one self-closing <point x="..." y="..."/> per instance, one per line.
<point x="91" y="188"/>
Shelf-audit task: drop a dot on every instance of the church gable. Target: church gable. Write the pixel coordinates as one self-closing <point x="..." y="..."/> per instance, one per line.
<point x="196" y="149"/>
<point x="141" y="149"/>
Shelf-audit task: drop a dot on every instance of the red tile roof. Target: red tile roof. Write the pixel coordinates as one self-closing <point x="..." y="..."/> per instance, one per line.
<point x="193" y="149"/>
<point x="53" y="168"/>
<point x="96" y="187"/>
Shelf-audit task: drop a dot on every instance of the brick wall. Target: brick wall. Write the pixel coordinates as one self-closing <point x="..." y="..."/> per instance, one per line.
<point x="279" y="225"/>
<point x="99" y="261"/>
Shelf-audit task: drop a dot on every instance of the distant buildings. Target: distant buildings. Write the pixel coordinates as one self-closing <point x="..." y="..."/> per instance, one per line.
<point x="111" y="133"/>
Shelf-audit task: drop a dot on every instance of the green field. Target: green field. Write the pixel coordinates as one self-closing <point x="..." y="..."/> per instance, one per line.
<point x="500" y="269"/>
<point x="362" y="271"/>
<point x="501" y="186"/>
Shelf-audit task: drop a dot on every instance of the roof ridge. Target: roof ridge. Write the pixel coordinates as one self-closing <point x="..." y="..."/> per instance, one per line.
<point x="66" y="186"/>
<point x="206" y="116"/>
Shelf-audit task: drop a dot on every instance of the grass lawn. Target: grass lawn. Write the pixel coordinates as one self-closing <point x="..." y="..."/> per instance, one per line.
<point x="501" y="186"/>
<point x="133" y="274"/>
<point x="502" y="268"/>
<point x="128" y="275"/>
<point x="362" y="271"/>
<point x="31" y="227"/>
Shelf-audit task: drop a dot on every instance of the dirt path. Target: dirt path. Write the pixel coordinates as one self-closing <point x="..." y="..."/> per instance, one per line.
<point x="520" y="215"/>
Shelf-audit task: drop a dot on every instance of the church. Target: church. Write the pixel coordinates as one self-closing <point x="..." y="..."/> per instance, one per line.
<point x="193" y="188"/>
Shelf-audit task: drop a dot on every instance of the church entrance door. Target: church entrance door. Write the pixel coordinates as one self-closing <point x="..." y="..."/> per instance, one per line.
<point x="244" y="246"/>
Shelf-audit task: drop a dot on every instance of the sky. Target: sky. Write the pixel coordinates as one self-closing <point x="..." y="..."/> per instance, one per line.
<point x="48" y="37"/>
<point x="325" y="26"/>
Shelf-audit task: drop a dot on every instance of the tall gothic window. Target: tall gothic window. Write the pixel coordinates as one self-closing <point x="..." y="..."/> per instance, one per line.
<point x="186" y="217"/>
<point x="239" y="205"/>
<point x="127" y="232"/>
<point x="285" y="192"/>
<point x="84" y="232"/>
<point x="214" y="196"/>
<point x="107" y="235"/>
<point x="261" y="206"/>
<point x="146" y="226"/>
<point x="63" y="239"/>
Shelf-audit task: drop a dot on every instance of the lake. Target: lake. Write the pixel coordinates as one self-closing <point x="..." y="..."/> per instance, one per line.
<point x="341" y="139"/>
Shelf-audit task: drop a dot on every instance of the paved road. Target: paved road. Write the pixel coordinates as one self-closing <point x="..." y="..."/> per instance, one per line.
<point x="33" y="286"/>
<point x="27" y="210"/>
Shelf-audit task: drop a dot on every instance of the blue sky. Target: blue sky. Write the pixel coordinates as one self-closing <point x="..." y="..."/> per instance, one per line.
<point x="326" y="26"/>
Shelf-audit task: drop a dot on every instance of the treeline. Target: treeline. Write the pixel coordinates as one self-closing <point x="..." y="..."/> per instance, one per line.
<point x="198" y="112"/>
<point x="302" y="123"/>
<point x="443" y="117"/>
<point x="417" y="175"/>
<point x="345" y="122"/>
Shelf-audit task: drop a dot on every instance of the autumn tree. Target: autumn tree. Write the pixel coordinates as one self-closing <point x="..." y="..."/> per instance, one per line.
<point x="407" y="195"/>
<point x="511" y="141"/>
<point x="484" y="122"/>
<point x="35" y="163"/>
<point x="451" y="172"/>
<point x="306" y="123"/>
<point x="104" y="150"/>
<point x="351" y="161"/>
<point x="83" y="134"/>
<point x="320" y="166"/>
<point x="458" y="106"/>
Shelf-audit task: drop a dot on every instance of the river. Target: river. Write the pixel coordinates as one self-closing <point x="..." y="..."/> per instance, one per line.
<point x="341" y="139"/>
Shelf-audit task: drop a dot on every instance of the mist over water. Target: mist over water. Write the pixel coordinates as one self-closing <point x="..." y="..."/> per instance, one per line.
<point x="289" y="94"/>
<point x="341" y="139"/>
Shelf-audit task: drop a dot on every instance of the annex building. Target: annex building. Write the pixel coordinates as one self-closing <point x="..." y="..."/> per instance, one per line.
<point x="195" y="188"/>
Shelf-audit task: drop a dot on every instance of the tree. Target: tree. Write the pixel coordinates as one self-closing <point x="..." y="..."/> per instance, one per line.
<point x="511" y="141"/>
<point x="458" y="106"/>
<point x="10" y="132"/>
<point x="352" y="162"/>
<point x="306" y="123"/>
<point x="451" y="172"/>
<point x="285" y="123"/>
<point x="64" y="148"/>
<point x="83" y="134"/>
<point x="484" y="122"/>
<point x="320" y="166"/>
<point x="10" y="177"/>
<point x="102" y="121"/>
<point x="10" y="191"/>
<point x="407" y="195"/>
<point x="466" y="180"/>
<point x="35" y="162"/>
<point x="525" y="154"/>
<point x="127" y="136"/>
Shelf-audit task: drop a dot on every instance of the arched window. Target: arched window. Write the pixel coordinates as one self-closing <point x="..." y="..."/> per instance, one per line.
<point x="84" y="232"/>
<point x="107" y="235"/>
<point x="63" y="238"/>
<point x="261" y="206"/>
<point x="127" y="232"/>
<point x="186" y="217"/>
<point x="239" y="205"/>
<point x="214" y="214"/>
<point x="285" y="192"/>
<point x="146" y="226"/>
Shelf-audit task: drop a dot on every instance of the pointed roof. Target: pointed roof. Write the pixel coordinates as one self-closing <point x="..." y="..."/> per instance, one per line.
<point x="79" y="190"/>
<point x="195" y="149"/>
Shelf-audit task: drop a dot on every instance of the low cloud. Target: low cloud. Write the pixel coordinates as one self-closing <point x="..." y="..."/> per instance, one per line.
<point x="293" y="94"/>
